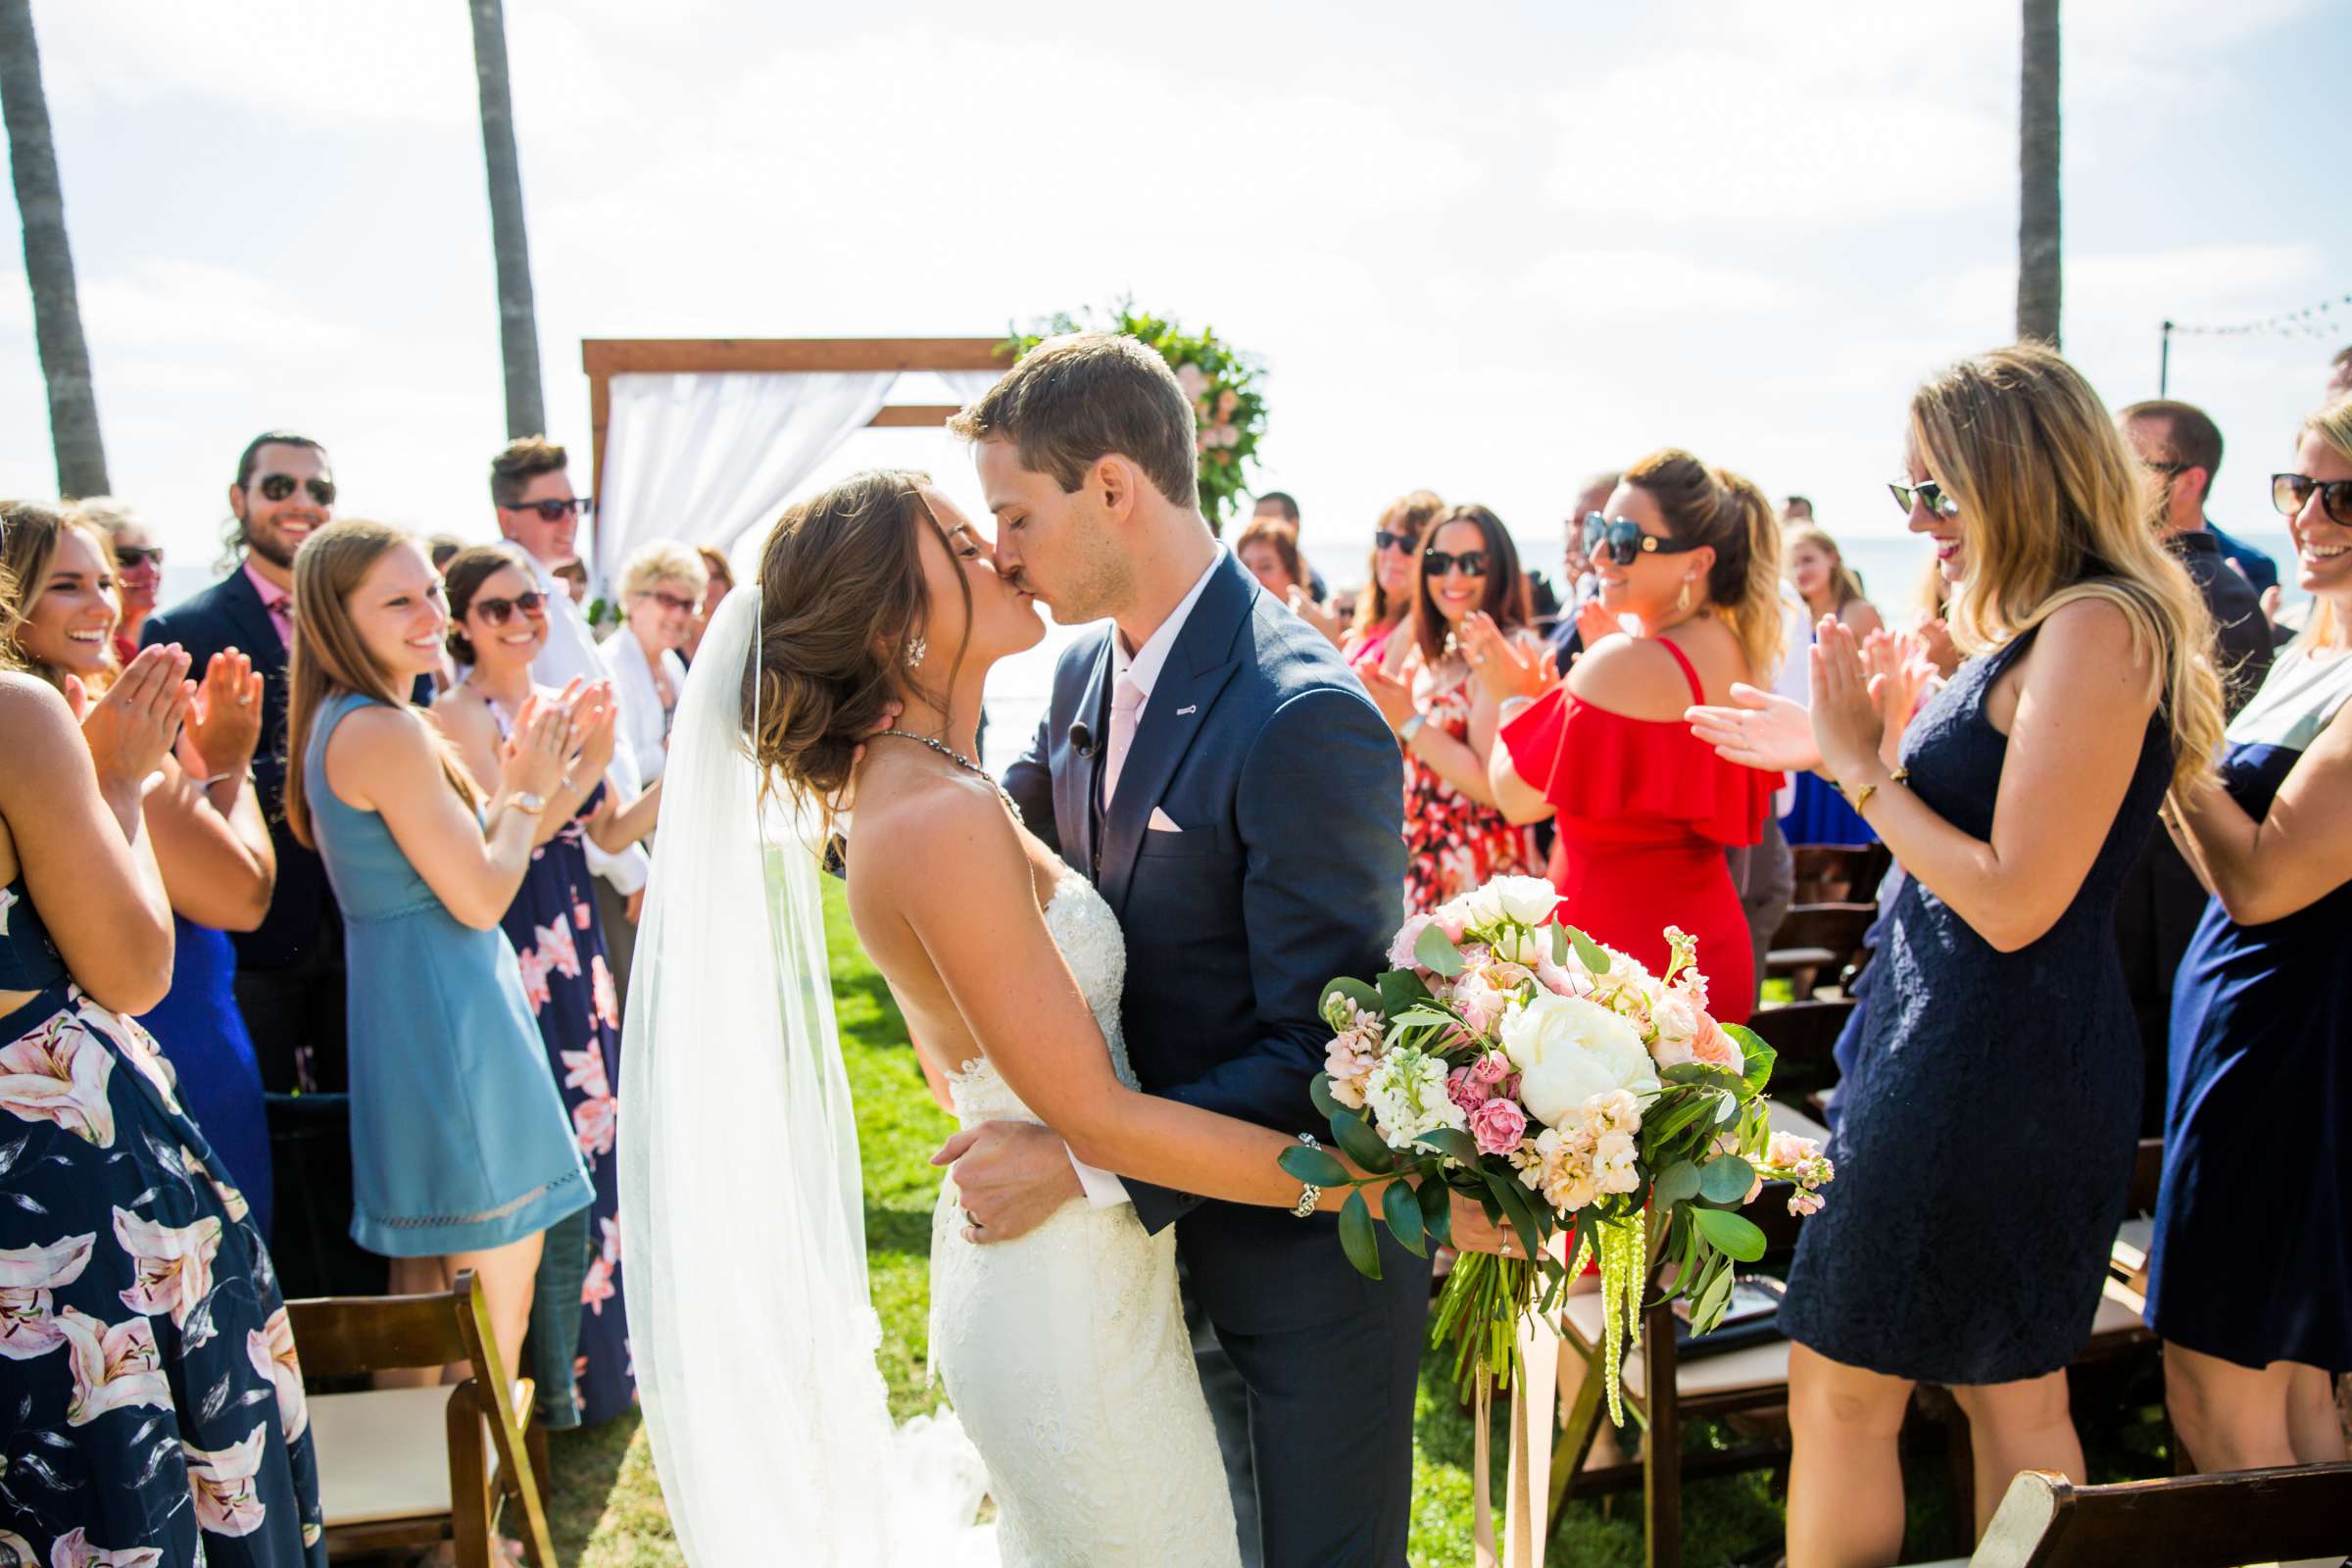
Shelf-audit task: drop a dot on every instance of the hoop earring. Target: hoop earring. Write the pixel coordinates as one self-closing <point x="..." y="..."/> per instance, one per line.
<point x="1681" y="601"/>
<point x="916" y="647"/>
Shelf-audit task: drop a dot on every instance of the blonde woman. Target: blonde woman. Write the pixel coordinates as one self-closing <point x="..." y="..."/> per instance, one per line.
<point x="461" y="1154"/>
<point x="1818" y="571"/>
<point x="1986" y="1135"/>
<point x="2249" y="1279"/>
<point x="662" y="590"/>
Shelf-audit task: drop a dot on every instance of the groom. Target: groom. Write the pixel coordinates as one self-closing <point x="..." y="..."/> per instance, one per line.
<point x="1210" y="763"/>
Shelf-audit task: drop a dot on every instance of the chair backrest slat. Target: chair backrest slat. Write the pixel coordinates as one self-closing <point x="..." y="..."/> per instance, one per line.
<point x="340" y="1335"/>
<point x="2214" y="1521"/>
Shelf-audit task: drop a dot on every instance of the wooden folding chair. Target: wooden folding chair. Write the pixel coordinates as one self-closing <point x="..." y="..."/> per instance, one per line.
<point x="404" y="1468"/>
<point x="2216" y="1521"/>
<point x="1803" y="1035"/>
<point x="1816" y="942"/>
<point x="1837" y="873"/>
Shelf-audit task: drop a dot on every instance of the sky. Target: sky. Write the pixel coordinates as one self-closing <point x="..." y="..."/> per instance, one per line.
<point x="1485" y="248"/>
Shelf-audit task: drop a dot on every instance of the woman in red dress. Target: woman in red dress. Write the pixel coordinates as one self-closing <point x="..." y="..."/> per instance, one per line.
<point x="1645" y="810"/>
<point x="1455" y="837"/>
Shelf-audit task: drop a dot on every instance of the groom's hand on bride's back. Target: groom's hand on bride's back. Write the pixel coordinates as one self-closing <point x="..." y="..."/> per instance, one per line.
<point x="1010" y="1177"/>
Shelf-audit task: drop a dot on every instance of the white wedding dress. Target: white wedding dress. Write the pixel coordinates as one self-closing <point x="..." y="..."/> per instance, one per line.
<point x="1066" y="1350"/>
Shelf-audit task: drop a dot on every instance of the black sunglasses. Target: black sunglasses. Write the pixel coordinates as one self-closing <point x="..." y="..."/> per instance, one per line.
<point x="279" y="486"/>
<point x="1385" y="540"/>
<point x="498" y="612"/>
<point x="555" y="511"/>
<point x="1930" y="495"/>
<point x="1623" y="539"/>
<point x="129" y="555"/>
<point x="1473" y="563"/>
<point x="2292" y="492"/>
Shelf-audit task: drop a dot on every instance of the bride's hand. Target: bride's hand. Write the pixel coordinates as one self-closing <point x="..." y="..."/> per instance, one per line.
<point x="1763" y="730"/>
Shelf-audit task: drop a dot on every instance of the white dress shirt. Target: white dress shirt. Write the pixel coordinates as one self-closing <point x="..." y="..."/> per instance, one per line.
<point x="1143" y="666"/>
<point x="1794" y="679"/>
<point x="644" y="723"/>
<point x="570" y="653"/>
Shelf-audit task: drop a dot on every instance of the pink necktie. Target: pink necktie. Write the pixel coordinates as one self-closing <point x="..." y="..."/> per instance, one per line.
<point x="1126" y="700"/>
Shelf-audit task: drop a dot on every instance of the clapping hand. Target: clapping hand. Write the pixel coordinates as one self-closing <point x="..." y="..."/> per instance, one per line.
<point x="224" y="722"/>
<point x="1503" y="669"/>
<point x="1392" y="693"/>
<point x="131" y="728"/>
<point x="1847" y="724"/>
<point x="1901" y="677"/>
<point x="1761" y="730"/>
<point x="540" y="748"/>
<point x="1304" y="605"/>
<point x="1593" y="623"/>
<point x="595" y="719"/>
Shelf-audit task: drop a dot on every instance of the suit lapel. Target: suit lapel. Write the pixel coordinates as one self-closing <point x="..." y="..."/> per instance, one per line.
<point x="248" y="617"/>
<point x="1197" y="670"/>
<point x="1077" y="785"/>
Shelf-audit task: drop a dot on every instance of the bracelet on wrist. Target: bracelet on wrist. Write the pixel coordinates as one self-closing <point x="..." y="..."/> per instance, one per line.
<point x="1410" y="729"/>
<point x="1310" y="1195"/>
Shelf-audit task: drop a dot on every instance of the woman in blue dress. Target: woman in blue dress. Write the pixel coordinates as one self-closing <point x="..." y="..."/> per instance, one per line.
<point x="1986" y="1139"/>
<point x="461" y="1154"/>
<point x="154" y="1402"/>
<point x="204" y="820"/>
<point x="2250" y="1277"/>
<point x="580" y="1323"/>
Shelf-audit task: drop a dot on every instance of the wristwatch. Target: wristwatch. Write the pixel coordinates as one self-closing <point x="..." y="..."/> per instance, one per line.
<point x="533" y="803"/>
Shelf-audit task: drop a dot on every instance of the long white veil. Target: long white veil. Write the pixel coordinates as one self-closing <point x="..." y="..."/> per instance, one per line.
<point x="741" y="1208"/>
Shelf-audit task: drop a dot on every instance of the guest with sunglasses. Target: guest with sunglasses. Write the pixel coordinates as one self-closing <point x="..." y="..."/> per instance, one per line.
<point x="289" y="969"/>
<point x="138" y="565"/>
<point x="1644" y="810"/>
<point x="539" y="513"/>
<point x="1455" y="838"/>
<point x="2250" y="1275"/>
<point x="661" y="589"/>
<point x="498" y="622"/>
<point x="1387" y="599"/>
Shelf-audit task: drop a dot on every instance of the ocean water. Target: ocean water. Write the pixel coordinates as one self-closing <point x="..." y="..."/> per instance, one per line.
<point x="1891" y="566"/>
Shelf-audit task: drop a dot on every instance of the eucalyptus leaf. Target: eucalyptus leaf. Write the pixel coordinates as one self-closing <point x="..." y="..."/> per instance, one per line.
<point x="1759" y="1055"/>
<point x="1356" y="1235"/>
<point x="1402" y="1211"/>
<point x="1559" y="945"/>
<point x="1677" y="1183"/>
<point x="1360" y="1142"/>
<point x="1433" y="950"/>
<point x="1589" y="951"/>
<point x="1399" y="988"/>
<point x="1314" y="1166"/>
<point x="1726" y="1180"/>
<point x="1729" y="1233"/>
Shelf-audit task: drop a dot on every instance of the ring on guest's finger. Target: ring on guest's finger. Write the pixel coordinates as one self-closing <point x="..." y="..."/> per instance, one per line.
<point x="973" y="1221"/>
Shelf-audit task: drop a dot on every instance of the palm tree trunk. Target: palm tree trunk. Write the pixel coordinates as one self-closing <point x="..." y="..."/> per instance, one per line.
<point x="517" y="317"/>
<point x="48" y="259"/>
<point x="2037" y="263"/>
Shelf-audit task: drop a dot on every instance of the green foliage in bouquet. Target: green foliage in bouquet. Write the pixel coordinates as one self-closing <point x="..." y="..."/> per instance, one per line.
<point x="1229" y="412"/>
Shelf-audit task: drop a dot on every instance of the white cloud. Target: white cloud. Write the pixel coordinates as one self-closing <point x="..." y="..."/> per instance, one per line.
<point x="1617" y="285"/>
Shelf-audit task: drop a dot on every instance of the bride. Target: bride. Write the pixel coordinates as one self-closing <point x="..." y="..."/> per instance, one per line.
<point x="1064" y="1351"/>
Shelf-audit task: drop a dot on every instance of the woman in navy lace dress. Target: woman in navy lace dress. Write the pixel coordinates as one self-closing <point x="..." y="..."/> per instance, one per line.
<point x="1986" y="1135"/>
<point x="151" y="1405"/>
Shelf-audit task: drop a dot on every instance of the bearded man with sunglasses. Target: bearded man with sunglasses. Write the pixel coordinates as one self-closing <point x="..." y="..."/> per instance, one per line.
<point x="540" y="514"/>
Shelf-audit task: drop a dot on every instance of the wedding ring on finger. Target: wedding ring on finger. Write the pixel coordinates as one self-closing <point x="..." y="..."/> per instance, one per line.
<point x="973" y="1221"/>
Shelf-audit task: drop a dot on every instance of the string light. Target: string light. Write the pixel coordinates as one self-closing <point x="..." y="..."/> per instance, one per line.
<point x="2313" y="320"/>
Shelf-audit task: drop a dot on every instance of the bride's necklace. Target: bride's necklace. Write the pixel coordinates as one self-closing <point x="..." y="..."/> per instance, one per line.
<point x="966" y="763"/>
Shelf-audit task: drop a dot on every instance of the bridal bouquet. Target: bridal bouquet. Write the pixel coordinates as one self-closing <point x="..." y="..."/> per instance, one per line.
<point x="1562" y="1087"/>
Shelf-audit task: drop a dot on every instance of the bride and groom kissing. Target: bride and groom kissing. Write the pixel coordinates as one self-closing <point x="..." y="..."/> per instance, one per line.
<point x="1110" y="967"/>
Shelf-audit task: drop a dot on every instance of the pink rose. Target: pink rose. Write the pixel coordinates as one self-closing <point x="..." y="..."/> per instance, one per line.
<point x="1400" y="951"/>
<point x="1480" y="1003"/>
<point x="1491" y="1068"/>
<point x="1498" y="1125"/>
<point x="1712" y="1046"/>
<point x="1453" y="919"/>
<point x="1463" y="1088"/>
<point x="1556" y="980"/>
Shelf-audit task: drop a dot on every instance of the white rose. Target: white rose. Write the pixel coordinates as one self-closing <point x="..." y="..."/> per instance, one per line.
<point x="1567" y="1050"/>
<point x="1480" y="908"/>
<point x="1528" y="900"/>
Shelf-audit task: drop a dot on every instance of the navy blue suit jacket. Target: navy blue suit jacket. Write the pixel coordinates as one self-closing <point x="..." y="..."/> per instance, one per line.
<point x="230" y="614"/>
<point x="1289" y="870"/>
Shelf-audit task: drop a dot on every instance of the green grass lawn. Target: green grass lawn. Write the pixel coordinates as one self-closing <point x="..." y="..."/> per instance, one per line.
<point x="607" y="1503"/>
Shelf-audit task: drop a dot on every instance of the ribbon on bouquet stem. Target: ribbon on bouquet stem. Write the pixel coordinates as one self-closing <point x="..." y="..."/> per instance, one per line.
<point x="1533" y="1421"/>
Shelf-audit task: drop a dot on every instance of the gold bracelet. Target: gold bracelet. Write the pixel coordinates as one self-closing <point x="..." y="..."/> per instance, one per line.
<point x="1860" y="797"/>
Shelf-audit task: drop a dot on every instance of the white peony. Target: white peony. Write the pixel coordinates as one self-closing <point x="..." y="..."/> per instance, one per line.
<point x="1567" y="1050"/>
<point x="1528" y="900"/>
<point x="1407" y="1096"/>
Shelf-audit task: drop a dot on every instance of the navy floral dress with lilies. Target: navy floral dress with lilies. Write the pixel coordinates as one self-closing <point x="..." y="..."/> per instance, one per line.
<point x="151" y="1405"/>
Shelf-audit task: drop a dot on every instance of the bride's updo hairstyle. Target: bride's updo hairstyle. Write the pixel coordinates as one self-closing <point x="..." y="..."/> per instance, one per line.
<point x="842" y="600"/>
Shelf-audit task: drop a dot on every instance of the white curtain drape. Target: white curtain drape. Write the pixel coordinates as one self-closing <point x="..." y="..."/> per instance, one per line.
<point x="704" y="458"/>
<point x="968" y="385"/>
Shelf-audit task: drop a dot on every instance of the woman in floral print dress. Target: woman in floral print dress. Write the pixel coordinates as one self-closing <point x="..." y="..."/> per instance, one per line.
<point x="151" y="1407"/>
<point x="579" y="1326"/>
<point x="1455" y="838"/>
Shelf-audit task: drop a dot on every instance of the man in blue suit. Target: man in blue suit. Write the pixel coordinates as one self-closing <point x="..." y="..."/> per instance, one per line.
<point x="1211" y="764"/>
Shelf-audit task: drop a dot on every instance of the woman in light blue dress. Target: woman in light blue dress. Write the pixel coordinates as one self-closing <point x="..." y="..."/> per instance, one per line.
<point x="461" y="1154"/>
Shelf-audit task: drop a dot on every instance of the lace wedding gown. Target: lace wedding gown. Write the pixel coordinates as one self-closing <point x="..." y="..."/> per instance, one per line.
<point x="1066" y="1350"/>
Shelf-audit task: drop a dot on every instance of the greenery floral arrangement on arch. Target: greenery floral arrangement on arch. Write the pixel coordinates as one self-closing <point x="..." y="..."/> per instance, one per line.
<point x="1229" y="412"/>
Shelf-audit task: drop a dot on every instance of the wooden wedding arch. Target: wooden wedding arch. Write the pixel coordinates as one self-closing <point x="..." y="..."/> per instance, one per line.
<point x="605" y="358"/>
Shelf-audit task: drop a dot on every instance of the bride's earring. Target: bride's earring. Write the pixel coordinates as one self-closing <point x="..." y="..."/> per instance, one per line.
<point x="916" y="648"/>
<point x="1681" y="601"/>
